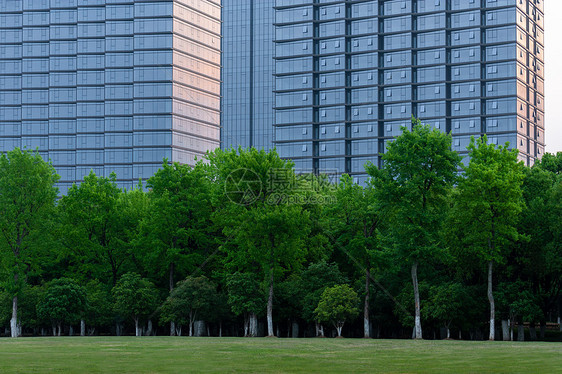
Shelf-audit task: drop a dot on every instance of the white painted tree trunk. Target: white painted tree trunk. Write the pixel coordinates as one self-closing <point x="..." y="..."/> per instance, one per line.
<point x="14" y="320"/>
<point x="199" y="328"/>
<point x="295" y="330"/>
<point x="54" y="330"/>
<point x="270" y="307"/>
<point x="418" y="327"/>
<point x="82" y="328"/>
<point x="532" y="332"/>
<point x="505" y="330"/>
<point x="59" y="330"/>
<point x="521" y="332"/>
<point x="448" y="333"/>
<point x="190" y="328"/>
<point x="253" y="325"/>
<point x="138" y="331"/>
<point x="491" y="300"/>
<point x="246" y="325"/>
<point x="149" y="328"/>
<point x="172" y="328"/>
<point x="339" y="328"/>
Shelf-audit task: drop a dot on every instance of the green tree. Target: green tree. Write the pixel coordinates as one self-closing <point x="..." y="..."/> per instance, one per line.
<point x="448" y="304"/>
<point x="135" y="298"/>
<point x="192" y="298"/>
<point x="27" y="200"/>
<point x="64" y="302"/>
<point x="539" y="259"/>
<point x="337" y="305"/>
<point x="177" y="231"/>
<point x="356" y="221"/>
<point x="245" y="297"/>
<point x="518" y="303"/>
<point x="268" y="232"/>
<point x="100" y="307"/>
<point x="419" y="171"/>
<point x="93" y="229"/>
<point x="551" y="162"/>
<point x="313" y="281"/>
<point x="487" y="207"/>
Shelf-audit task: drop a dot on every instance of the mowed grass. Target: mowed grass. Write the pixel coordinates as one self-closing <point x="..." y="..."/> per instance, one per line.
<point x="263" y="355"/>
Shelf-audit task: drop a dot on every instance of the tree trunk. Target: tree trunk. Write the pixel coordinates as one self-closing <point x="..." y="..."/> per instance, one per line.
<point x="82" y="328"/>
<point x="448" y="333"/>
<point x="246" y="325"/>
<point x="491" y="299"/>
<point x="54" y="330"/>
<point x="14" y="320"/>
<point x="319" y="330"/>
<point x="270" y="307"/>
<point x="366" y="323"/>
<point x="171" y="285"/>
<point x="71" y="331"/>
<point x="543" y="329"/>
<point x="118" y="329"/>
<point x="190" y="328"/>
<point x="505" y="330"/>
<point x="137" y="328"/>
<point x="295" y="330"/>
<point x="220" y="329"/>
<point x="521" y="332"/>
<point x="253" y="325"/>
<point x="59" y="330"/>
<point x="149" y="328"/>
<point x="532" y="331"/>
<point x="418" y="327"/>
<point x="339" y="328"/>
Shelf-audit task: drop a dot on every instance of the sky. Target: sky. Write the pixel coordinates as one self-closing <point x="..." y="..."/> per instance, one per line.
<point x="553" y="72"/>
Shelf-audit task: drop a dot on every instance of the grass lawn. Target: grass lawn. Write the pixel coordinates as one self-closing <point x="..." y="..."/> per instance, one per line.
<point x="261" y="355"/>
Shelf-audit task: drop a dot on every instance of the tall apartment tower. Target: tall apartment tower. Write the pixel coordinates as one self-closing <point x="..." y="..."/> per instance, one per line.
<point x="247" y="74"/>
<point x="350" y="74"/>
<point x="110" y="85"/>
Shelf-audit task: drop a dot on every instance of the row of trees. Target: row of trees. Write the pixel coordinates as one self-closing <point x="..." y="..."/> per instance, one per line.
<point x="242" y="236"/>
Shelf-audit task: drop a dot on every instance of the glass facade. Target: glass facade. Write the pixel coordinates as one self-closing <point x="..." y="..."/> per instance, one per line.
<point x="110" y="85"/>
<point x="350" y="74"/>
<point x="247" y="74"/>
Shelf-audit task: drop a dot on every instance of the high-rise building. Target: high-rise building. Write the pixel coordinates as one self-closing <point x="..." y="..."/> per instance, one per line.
<point x="110" y="85"/>
<point x="247" y="74"/>
<point x="350" y="74"/>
